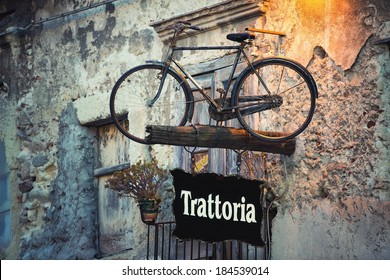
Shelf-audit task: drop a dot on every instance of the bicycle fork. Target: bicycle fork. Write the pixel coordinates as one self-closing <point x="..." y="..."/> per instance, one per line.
<point x="162" y="80"/>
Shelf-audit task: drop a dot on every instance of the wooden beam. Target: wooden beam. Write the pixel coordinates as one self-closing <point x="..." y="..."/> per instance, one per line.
<point x="215" y="137"/>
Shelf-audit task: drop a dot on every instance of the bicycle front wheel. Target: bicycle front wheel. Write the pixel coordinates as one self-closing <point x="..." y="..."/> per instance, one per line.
<point x="136" y="101"/>
<point x="275" y="102"/>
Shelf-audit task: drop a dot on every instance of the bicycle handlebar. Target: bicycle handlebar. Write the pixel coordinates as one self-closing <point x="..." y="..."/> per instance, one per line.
<point x="265" y="31"/>
<point x="194" y="27"/>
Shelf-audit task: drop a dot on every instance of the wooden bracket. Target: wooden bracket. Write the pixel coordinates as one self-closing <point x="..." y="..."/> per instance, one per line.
<point x="215" y="137"/>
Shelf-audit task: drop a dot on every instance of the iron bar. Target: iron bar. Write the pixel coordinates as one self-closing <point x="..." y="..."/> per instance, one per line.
<point x="255" y="253"/>
<point x="162" y="240"/>
<point x="155" y="241"/>
<point x="184" y="250"/>
<point x="231" y="249"/>
<point x="199" y="245"/>
<point x="177" y="248"/>
<point x="214" y="251"/>
<point x="192" y="249"/>
<point x="170" y="241"/>
<point x="239" y="250"/>
<point x="147" y="243"/>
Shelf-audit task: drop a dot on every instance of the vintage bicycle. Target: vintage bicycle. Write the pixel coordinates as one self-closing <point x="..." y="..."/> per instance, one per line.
<point x="272" y="98"/>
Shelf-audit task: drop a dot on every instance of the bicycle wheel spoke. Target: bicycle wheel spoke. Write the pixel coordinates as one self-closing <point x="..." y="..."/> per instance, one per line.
<point x="139" y="95"/>
<point x="290" y="105"/>
<point x="280" y="80"/>
<point x="291" y="88"/>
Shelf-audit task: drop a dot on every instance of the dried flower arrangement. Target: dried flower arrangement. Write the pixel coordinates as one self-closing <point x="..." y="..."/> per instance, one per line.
<point x="140" y="181"/>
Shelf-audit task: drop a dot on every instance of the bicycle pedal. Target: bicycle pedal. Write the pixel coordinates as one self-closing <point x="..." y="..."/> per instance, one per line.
<point x="221" y="116"/>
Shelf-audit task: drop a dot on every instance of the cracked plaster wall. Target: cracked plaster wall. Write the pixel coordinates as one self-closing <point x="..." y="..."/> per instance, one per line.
<point x="335" y="189"/>
<point x="51" y="156"/>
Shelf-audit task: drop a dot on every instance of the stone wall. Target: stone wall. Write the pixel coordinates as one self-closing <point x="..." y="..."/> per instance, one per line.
<point x="334" y="191"/>
<point x="44" y="70"/>
<point x="64" y="211"/>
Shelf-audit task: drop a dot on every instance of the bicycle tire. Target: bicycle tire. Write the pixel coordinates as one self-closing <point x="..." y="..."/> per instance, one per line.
<point x="294" y="90"/>
<point x="130" y="101"/>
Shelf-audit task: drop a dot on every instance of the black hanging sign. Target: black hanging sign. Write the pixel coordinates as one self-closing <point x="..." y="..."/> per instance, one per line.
<point x="212" y="207"/>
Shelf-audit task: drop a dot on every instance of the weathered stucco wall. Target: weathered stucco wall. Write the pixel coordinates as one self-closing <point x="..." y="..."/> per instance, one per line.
<point x="51" y="157"/>
<point x="336" y="197"/>
<point x="337" y="182"/>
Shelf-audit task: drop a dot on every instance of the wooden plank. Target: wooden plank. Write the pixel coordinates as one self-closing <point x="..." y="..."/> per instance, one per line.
<point x="216" y="137"/>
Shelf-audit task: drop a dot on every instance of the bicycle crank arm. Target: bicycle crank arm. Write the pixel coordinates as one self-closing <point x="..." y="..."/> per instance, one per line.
<point x="224" y="115"/>
<point x="258" y="104"/>
<point x="229" y="114"/>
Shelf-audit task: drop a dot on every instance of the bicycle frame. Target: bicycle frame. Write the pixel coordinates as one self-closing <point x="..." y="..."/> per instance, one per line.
<point x="170" y="59"/>
<point x="262" y="85"/>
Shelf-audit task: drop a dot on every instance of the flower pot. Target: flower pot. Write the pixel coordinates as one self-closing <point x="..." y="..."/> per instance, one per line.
<point x="149" y="211"/>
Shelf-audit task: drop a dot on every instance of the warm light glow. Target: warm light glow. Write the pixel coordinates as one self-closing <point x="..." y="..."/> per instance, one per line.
<point x="312" y="9"/>
<point x="314" y="3"/>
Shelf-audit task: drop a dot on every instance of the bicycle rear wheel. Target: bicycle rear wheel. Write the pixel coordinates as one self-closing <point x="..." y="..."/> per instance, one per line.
<point x="279" y="105"/>
<point x="135" y="103"/>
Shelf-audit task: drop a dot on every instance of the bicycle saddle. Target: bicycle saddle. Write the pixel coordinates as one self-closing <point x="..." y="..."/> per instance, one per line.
<point x="240" y="37"/>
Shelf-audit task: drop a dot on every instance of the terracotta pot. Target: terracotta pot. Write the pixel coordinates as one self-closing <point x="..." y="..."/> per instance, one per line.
<point x="149" y="211"/>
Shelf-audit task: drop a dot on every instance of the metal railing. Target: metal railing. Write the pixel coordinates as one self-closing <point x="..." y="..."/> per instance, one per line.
<point x="163" y="245"/>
